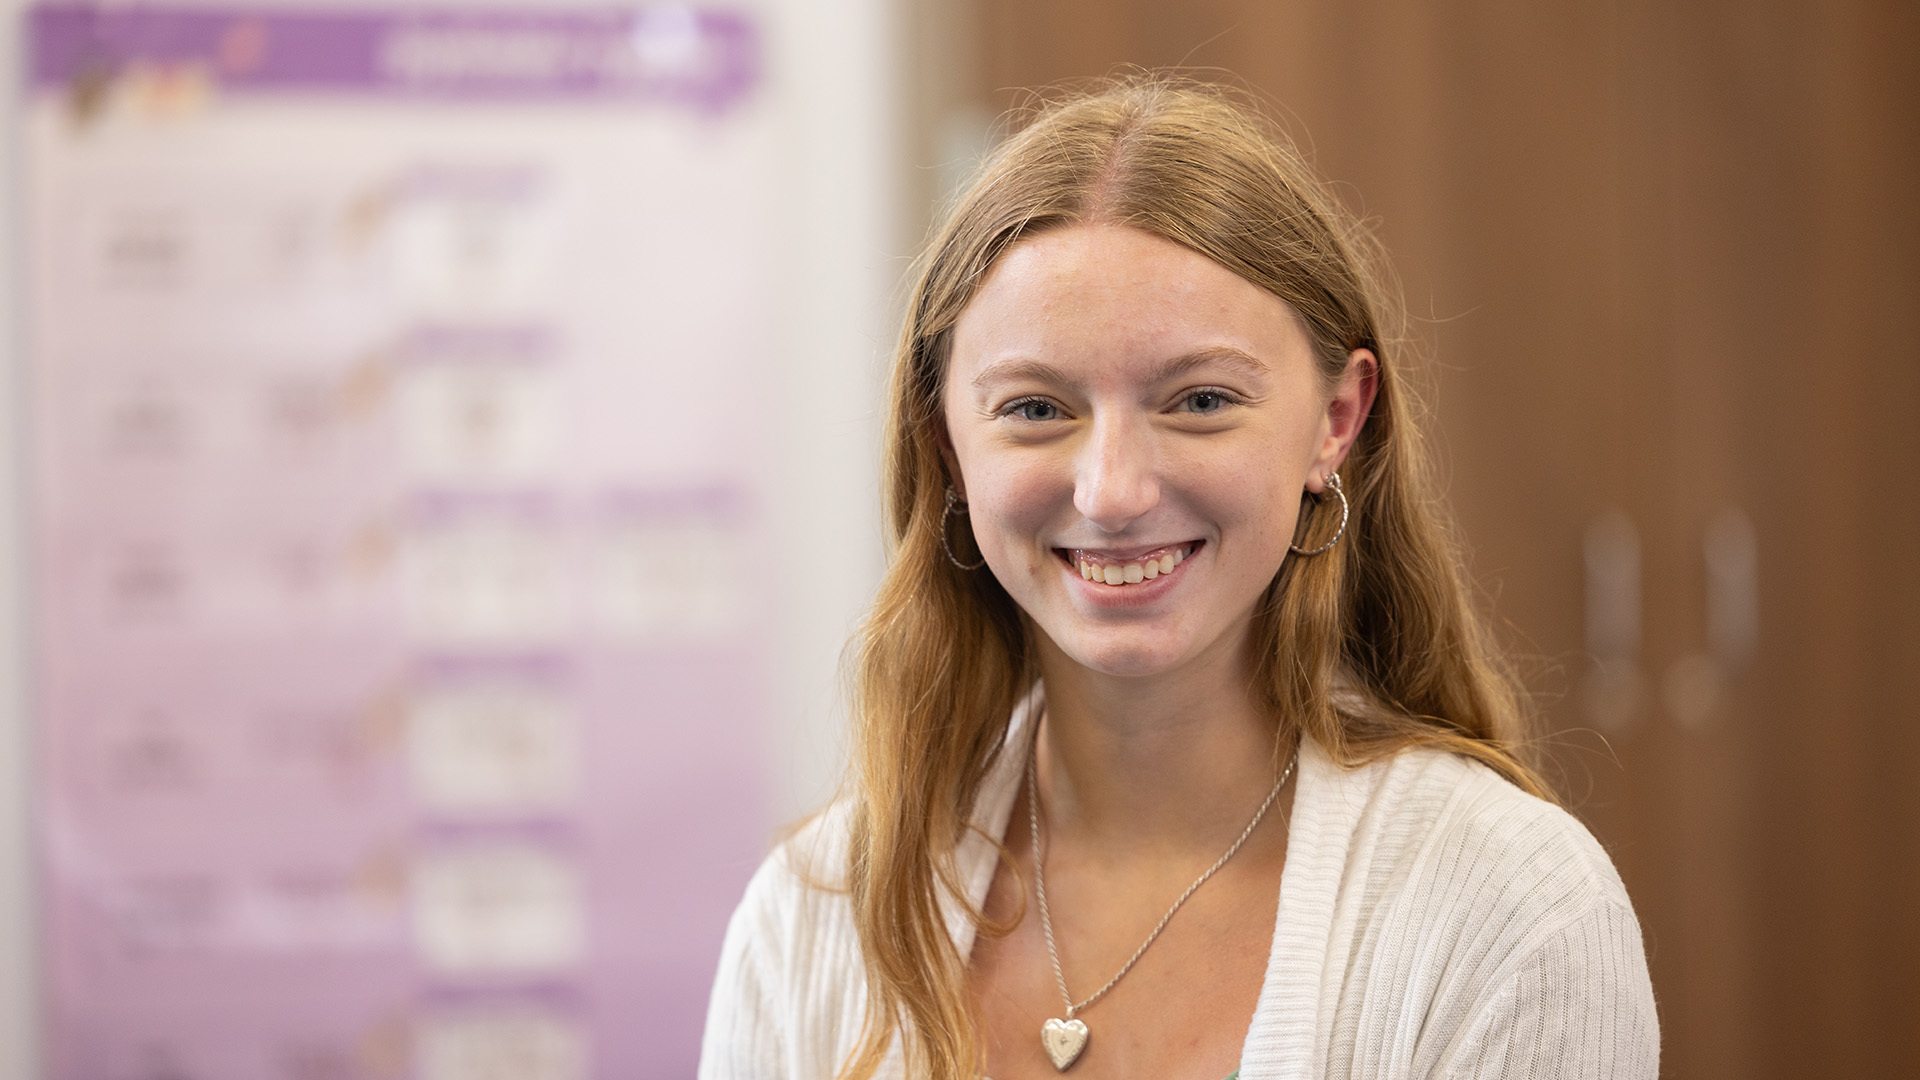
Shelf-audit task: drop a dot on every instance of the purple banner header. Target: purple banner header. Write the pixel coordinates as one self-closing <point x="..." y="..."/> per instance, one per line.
<point x="704" y="57"/>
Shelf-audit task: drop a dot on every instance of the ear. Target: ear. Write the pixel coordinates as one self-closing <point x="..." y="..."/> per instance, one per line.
<point x="1347" y="411"/>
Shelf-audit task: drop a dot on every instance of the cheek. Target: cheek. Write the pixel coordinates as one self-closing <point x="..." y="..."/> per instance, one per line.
<point x="1252" y="489"/>
<point x="1015" y="504"/>
<point x="1262" y="519"/>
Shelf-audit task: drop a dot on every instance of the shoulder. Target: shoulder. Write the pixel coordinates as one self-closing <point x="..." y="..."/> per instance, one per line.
<point x="1481" y="844"/>
<point x="794" y="911"/>
<point x="1494" y="914"/>
<point x="790" y="987"/>
<point x="790" y="995"/>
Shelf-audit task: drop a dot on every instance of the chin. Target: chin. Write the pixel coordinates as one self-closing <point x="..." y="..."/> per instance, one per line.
<point x="1126" y="659"/>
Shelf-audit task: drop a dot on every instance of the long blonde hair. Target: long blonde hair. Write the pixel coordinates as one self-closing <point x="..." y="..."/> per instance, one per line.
<point x="1369" y="648"/>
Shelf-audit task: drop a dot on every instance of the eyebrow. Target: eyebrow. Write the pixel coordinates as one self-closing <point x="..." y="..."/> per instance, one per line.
<point x="1236" y="360"/>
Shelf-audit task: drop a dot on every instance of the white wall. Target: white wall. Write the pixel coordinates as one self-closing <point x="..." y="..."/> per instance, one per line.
<point x="836" y="74"/>
<point x="841" y="74"/>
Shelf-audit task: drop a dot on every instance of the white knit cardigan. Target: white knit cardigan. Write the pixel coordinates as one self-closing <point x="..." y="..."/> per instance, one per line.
<point x="1434" y="921"/>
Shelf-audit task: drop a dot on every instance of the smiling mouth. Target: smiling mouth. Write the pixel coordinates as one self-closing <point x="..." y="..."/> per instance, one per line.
<point x="1133" y="569"/>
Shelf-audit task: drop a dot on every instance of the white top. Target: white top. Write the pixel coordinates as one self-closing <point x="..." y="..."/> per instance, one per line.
<point x="1434" y="921"/>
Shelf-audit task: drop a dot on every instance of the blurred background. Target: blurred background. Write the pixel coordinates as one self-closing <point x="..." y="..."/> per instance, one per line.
<point x="440" y="472"/>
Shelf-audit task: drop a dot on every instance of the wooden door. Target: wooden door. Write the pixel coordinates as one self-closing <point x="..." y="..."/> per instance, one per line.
<point x="1786" y="158"/>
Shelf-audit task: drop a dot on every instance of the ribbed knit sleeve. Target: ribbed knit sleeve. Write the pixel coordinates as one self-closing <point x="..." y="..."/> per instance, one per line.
<point x="789" y="996"/>
<point x="1579" y="1006"/>
<point x="745" y="1022"/>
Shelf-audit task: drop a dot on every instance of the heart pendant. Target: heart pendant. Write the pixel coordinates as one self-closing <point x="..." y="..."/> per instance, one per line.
<point x="1064" y="1040"/>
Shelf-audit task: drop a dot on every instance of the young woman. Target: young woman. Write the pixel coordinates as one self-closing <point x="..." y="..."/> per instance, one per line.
<point x="1181" y="752"/>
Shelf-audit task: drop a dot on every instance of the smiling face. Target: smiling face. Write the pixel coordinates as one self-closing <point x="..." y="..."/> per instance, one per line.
<point x="1132" y="426"/>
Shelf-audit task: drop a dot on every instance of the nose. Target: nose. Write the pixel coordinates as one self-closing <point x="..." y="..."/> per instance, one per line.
<point x="1118" y="478"/>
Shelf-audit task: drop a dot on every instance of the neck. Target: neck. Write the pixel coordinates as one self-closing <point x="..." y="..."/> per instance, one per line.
<point x="1172" y="765"/>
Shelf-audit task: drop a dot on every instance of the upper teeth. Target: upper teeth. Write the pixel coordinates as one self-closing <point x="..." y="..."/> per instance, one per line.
<point x="1132" y="572"/>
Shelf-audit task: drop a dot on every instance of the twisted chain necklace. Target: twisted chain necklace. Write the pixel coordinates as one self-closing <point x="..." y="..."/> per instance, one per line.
<point x="1065" y="1040"/>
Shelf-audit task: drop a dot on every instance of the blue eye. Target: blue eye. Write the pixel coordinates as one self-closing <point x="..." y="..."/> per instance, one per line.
<point x="1207" y="402"/>
<point x="1031" y="409"/>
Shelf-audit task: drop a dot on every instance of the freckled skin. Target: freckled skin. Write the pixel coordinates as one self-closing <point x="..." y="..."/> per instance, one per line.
<point x="1110" y="456"/>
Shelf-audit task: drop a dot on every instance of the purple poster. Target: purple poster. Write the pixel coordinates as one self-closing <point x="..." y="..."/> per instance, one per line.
<point x="394" y="508"/>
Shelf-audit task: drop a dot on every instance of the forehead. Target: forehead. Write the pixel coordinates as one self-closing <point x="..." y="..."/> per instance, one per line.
<point x="1115" y="298"/>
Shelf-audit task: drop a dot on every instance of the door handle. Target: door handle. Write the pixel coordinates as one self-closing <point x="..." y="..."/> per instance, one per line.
<point x="1731" y="552"/>
<point x="1693" y="686"/>
<point x="1610" y="551"/>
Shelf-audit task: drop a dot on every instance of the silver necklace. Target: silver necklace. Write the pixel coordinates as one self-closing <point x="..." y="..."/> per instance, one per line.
<point x="1065" y="1040"/>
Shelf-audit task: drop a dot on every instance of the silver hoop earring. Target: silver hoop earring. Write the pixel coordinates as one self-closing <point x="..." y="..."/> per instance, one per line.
<point x="1333" y="481"/>
<point x="954" y="503"/>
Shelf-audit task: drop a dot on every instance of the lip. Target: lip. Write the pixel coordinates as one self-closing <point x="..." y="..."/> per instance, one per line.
<point x="1124" y="555"/>
<point x="1119" y="597"/>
